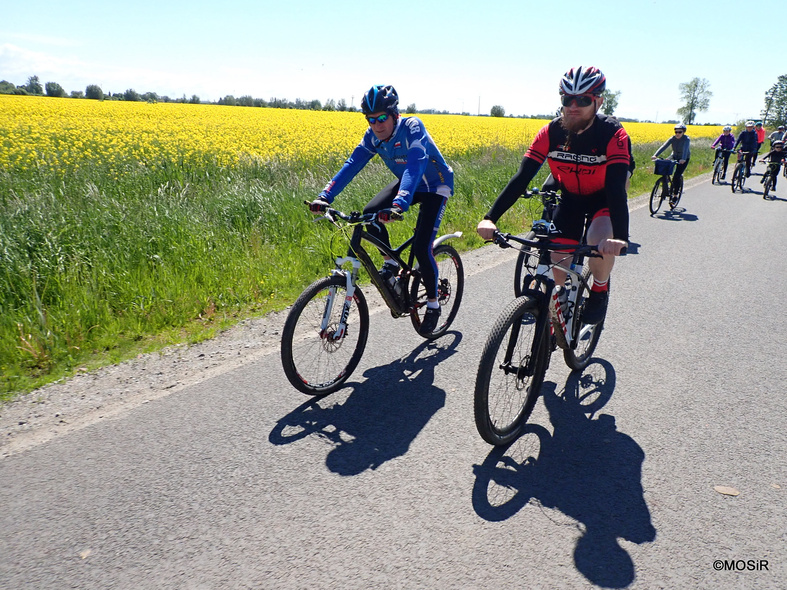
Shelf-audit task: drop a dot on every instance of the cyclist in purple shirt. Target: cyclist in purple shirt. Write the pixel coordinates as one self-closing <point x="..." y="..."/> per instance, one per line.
<point x="725" y="141"/>
<point x="422" y="176"/>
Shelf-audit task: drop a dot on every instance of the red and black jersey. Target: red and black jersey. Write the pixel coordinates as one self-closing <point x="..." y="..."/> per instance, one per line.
<point x="580" y="165"/>
<point x="594" y="163"/>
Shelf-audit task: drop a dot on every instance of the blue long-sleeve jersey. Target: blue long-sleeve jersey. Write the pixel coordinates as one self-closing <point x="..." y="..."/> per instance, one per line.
<point x="409" y="153"/>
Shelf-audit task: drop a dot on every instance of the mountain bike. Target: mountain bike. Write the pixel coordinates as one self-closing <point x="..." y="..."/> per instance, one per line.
<point x="739" y="173"/>
<point x="664" y="187"/>
<point x="325" y="332"/>
<point x="517" y="352"/>
<point x="769" y="177"/>
<point x="718" y="165"/>
<point x="527" y="262"/>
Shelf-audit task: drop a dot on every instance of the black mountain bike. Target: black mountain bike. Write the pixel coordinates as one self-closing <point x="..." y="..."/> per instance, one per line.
<point x="739" y="173"/>
<point x="718" y="165"/>
<point x="769" y="177"/>
<point x="664" y="188"/>
<point x="517" y="352"/>
<point x="326" y="330"/>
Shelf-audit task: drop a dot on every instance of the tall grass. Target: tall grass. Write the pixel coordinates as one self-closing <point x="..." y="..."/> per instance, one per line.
<point x="98" y="266"/>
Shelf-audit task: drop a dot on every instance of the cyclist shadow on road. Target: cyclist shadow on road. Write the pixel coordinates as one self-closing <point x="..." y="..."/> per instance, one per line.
<point x="586" y="469"/>
<point x="379" y="419"/>
<point x="676" y="214"/>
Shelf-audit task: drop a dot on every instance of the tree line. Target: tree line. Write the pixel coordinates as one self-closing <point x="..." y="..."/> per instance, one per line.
<point x="695" y="96"/>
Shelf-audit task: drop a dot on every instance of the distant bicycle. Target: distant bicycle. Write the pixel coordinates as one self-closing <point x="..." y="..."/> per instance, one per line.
<point x="769" y="178"/>
<point x="739" y="173"/>
<point x="718" y="166"/>
<point x="326" y="330"/>
<point x="527" y="261"/>
<point x="664" y="188"/>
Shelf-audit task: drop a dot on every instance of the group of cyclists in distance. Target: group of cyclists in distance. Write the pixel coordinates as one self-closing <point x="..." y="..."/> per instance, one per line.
<point x="749" y="144"/>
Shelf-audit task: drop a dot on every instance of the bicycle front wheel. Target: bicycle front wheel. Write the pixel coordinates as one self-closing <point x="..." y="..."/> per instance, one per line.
<point x="738" y="177"/>
<point x="657" y="195"/>
<point x="317" y="358"/>
<point x="766" y="185"/>
<point x="717" y="172"/>
<point x="511" y="372"/>
<point x="526" y="264"/>
<point x="585" y="337"/>
<point x="450" y="286"/>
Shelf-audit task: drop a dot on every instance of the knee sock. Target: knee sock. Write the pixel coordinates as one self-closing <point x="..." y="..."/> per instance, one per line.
<point x="599" y="285"/>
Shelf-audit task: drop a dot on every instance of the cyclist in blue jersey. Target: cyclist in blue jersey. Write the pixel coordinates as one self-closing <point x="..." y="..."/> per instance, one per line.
<point x="422" y="176"/>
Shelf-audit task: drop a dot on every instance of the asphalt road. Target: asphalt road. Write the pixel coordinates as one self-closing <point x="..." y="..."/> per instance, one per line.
<point x="239" y="481"/>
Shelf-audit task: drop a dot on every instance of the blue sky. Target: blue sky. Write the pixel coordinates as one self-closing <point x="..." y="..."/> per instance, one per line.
<point x="456" y="56"/>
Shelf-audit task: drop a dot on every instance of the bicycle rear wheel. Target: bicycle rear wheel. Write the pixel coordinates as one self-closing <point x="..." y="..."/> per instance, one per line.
<point x="450" y="286"/>
<point x="677" y="193"/>
<point x="511" y="372"/>
<point x="585" y="336"/>
<point x="526" y="264"/>
<point x="318" y="361"/>
<point x="657" y="195"/>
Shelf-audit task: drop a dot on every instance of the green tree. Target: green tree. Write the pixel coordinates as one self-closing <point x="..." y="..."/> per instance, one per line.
<point x="77" y="94"/>
<point x="498" y="111"/>
<point x="131" y="95"/>
<point x="194" y="99"/>
<point x="94" y="92"/>
<point x="775" y="112"/>
<point x="54" y="89"/>
<point x="330" y="105"/>
<point x="33" y="86"/>
<point x="696" y="97"/>
<point x="6" y="87"/>
<point x="610" y="101"/>
<point x="411" y="110"/>
<point x="341" y="105"/>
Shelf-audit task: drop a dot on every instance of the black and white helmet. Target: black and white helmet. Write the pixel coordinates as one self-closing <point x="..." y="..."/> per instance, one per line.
<point x="583" y="80"/>
<point x="680" y="126"/>
<point x="727" y="128"/>
<point x="778" y="143"/>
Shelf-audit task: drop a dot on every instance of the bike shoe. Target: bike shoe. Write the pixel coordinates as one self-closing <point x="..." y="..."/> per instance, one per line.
<point x="595" y="307"/>
<point x="429" y="323"/>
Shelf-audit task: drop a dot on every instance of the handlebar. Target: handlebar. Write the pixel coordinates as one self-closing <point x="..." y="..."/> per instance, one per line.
<point x="503" y="240"/>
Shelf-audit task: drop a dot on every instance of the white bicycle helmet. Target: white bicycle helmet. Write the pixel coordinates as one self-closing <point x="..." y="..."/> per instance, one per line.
<point x="583" y="80"/>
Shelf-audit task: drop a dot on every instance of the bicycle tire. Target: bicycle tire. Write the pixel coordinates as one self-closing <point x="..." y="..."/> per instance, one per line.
<point x="503" y="400"/>
<point x="657" y="195"/>
<point x="526" y="264"/>
<point x="585" y="336"/>
<point x="716" y="179"/>
<point x="675" y="199"/>
<point x="313" y="361"/>
<point x="766" y="188"/>
<point x="736" y="174"/>
<point x="450" y="287"/>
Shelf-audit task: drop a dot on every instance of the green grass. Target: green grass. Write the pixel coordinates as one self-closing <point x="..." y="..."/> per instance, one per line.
<point x="97" y="269"/>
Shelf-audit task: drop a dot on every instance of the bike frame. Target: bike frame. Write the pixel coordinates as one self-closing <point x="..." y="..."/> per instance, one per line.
<point x="545" y="287"/>
<point x="357" y="256"/>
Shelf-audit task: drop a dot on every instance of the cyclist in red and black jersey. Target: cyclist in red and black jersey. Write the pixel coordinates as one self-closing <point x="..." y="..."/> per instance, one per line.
<point x="588" y="154"/>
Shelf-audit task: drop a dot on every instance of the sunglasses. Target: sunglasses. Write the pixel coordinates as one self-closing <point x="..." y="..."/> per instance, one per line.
<point x="678" y="131"/>
<point x="381" y="119"/>
<point x="582" y="100"/>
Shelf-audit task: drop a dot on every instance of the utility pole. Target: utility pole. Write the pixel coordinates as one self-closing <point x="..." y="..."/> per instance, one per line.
<point x="479" y="106"/>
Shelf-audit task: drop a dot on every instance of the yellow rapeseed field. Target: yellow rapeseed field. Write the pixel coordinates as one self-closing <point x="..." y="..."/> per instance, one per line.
<point x="67" y="134"/>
